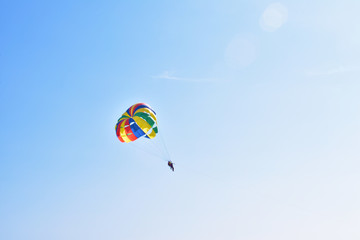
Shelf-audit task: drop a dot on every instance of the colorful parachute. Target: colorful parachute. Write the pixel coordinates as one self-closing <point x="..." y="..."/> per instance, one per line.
<point x="139" y="120"/>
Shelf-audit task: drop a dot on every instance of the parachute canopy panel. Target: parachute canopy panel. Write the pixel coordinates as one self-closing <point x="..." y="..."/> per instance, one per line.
<point x="138" y="121"/>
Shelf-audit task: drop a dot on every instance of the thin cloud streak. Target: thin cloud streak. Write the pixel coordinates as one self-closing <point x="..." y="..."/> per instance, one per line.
<point x="333" y="71"/>
<point x="169" y="76"/>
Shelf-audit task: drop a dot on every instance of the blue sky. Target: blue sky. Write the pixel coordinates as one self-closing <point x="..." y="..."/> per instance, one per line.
<point x="258" y="103"/>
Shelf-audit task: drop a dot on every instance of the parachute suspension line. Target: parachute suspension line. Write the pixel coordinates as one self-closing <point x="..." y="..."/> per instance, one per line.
<point x="151" y="146"/>
<point x="146" y="151"/>
<point x="165" y="147"/>
<point x="157" y="146"/>
<point x="139" y="124"/>
<point x="148" y="146"/>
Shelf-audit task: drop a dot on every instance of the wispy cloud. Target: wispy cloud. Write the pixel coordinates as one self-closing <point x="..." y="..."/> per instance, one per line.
<point x="170" y="76"/>
<point x="333" y="71"/>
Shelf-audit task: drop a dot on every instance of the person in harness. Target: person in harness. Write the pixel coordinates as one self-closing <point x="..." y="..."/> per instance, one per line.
<point x="171" y="165"/>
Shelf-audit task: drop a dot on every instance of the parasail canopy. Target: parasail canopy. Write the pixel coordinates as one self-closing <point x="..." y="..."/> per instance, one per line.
<point x="138" y="121"/>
